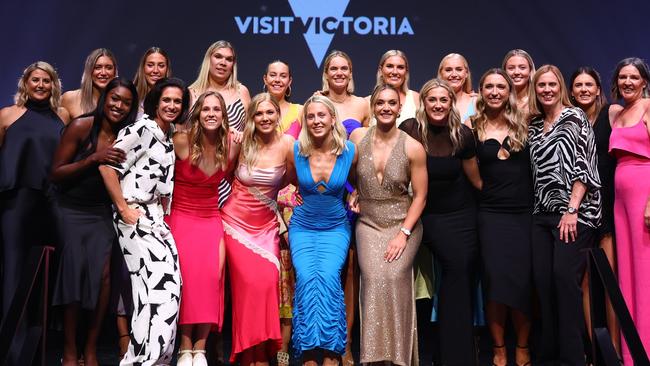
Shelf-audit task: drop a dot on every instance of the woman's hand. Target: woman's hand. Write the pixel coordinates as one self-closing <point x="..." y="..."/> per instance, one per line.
<point x="395" y="247"/>
<point x="569" y="227"/>
<point x="237" y="136"/>
<point x="353" y="201"/>
<point x="130" y="215"/>
<point x="110" y="155"/>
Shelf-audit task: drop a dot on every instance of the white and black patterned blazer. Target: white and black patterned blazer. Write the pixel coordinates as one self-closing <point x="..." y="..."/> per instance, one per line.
<point x="561" y="156"/>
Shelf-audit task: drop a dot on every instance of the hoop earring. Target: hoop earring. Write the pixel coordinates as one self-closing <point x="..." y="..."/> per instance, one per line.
<point x="287" y="94"/>
<point x="264" y="88"/>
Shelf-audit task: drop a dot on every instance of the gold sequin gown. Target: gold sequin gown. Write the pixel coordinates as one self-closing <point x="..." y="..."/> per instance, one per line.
<point x="387" y="298"/>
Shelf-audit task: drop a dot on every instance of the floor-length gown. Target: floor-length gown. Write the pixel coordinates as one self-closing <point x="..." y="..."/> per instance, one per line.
<point x="195" y="222"/>
<point x="253" y="254"/>
<point x="319" y="234"/>
<point x="631" y="145"/>
<point x="387" y="297"/>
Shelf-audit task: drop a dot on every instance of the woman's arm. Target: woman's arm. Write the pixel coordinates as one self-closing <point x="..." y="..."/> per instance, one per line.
<point x="419" y="182"/>
<point x="470" y="167"/>
<point x="568" y="224"/>
<point x="63" y="168"/>
<point x="111" y="181"/>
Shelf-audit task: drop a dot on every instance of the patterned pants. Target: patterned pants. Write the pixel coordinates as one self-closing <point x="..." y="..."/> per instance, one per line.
<point x="151" y="257"/>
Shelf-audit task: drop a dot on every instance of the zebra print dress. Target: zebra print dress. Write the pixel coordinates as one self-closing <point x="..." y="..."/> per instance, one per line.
<point x="561" y="156"/>
<point x="236" y="120"/>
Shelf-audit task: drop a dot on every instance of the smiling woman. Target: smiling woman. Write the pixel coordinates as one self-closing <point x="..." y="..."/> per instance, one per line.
<point x="30" y="131"/>
<point x="86" y="215"/>
<point x="140" y="188"/>
<point x="154" y="65"/>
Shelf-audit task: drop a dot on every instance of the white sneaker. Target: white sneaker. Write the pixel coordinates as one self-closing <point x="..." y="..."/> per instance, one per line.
<point x="199" y="358"/>
<point x="184" y="358"/>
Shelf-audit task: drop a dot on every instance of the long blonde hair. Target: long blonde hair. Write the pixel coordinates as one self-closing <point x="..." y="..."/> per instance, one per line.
<point x="524" y="54"/>
<point x="535" y="106"/>
<point x="380" y="76"/>
<point x="251" y="141"/>
<point x="517" y="127"/>
<point x="467" y="86"/>
<point x="325" y="88"/>
<point x="453" y="120"/>
<point x="140" y="80"/>
<point x="86" y="88"/>
<point x="339" y="135"/>
<point x="20" y="98"/>
<point x="202" y="81"/>
<point x="195" y="134"/>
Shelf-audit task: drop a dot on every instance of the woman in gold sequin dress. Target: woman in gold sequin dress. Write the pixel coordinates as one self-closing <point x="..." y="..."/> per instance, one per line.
<point x="388" y="232"/>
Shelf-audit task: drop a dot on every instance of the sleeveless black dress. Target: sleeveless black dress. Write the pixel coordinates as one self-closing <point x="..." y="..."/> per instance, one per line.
<point x="28" y="213"/>
<point x="86" y="225"/>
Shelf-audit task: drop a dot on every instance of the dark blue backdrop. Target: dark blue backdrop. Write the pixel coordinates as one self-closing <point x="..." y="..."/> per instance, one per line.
<point x="565" y="33"/>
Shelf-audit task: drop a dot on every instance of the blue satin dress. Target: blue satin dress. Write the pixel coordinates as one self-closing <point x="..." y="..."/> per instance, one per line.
<point x="319" y="236"/>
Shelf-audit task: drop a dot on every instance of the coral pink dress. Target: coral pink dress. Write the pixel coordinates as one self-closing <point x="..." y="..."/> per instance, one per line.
<point x="253" y="252"/>
<point x="631" y="146"/>
<point x="195" y="223"/>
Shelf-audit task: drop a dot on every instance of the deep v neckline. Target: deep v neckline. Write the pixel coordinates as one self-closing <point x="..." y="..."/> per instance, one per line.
<point x="323" y="182"/>
<point x="388" y="159"/>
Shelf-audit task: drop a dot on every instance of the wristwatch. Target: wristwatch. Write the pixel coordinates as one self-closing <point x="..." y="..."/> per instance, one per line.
<point x="571" y="210"/>
<point x="406" y="231"/>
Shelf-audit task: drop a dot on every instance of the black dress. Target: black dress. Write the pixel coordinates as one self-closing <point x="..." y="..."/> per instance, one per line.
<point x="86" y="225"/>
<point x="606" y="170"/>
<point x="449" y="222"/>
<point x="28" y="213"/>
<point x="504" y="223"/>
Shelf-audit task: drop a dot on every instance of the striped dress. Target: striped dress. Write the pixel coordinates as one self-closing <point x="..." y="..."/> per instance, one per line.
<point x="236" y="120"/>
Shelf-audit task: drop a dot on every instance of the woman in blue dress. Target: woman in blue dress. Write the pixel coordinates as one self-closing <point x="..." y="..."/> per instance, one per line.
<point x="319" y="233"/>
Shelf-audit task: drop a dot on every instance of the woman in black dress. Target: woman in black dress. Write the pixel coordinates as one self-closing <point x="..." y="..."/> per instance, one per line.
<point x="449" y="218"/>
<point x="29" y="134"/>
<point x="505" y="211"/>
<point x="587" y="94"/>
<point x="565" y="217"/>
<point x="85" y="213"/>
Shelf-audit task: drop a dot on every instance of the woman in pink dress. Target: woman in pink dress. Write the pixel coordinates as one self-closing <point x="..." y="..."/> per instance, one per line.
<point x="252" y="240"/>
<point x="203" y="153"/>
<point x="630" y="144"/>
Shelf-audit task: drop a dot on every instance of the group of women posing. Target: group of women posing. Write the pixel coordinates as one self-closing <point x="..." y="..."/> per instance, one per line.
<point x="517" y="179"/>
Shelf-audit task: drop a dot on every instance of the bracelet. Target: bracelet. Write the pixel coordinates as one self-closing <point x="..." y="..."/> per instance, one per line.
<point x="406" y="231"/>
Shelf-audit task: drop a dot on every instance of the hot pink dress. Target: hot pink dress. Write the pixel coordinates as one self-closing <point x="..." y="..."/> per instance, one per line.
<point x="631" y="146"/>
<point x="195" y="223"/>
<point x="253" y="252"/>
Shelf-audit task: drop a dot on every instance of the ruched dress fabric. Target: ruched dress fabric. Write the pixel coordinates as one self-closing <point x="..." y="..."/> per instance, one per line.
<point x="387" y="297"/>
<point x="631" y="146"/>
<point x="320" y="237"/>
<point x="195" y="223"/>
<point x="250" y="222"/>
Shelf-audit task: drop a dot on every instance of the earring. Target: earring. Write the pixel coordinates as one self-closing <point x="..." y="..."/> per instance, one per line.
<point x="287" y="94"/>
<point x="264" y="88"/>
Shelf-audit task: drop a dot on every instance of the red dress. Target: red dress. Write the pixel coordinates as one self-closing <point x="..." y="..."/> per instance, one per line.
<point x="195" y="223"/>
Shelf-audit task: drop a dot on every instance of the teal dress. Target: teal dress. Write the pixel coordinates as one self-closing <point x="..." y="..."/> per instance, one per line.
<point x="319" y="236"/>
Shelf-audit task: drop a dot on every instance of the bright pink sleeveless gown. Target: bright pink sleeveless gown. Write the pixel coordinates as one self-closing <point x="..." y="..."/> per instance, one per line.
<point x="631" y="146"/>
<point x="195" y="223"/>
<point x="253" y="252"/>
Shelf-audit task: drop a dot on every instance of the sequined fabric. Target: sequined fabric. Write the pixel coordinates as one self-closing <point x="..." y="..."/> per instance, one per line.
<point x="387" y="299"/>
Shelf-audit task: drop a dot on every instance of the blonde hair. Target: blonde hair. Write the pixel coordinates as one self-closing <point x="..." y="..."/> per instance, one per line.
<point x="20" y="98"/>
<point x="195" y="134"/>
<point x="380" y="76"/>
<point x="325" y="85"/>
<point x="202" y="81"/>
<point x="250" y="140"/>
<point x="467" y="85"/>
<point x="534" y="105"/>
<point x="339" y="135"/>
<point x="524" y="54"/>
<point x="453" y="120"/>
<point x="517" y="127"/>
<point x="140" y="80"/>
<point x="86" y="88"/>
